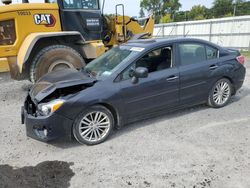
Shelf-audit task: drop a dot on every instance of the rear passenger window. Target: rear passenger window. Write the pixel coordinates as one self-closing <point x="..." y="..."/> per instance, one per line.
<point x="212" y="53"/>
<point x="192" y="53"/>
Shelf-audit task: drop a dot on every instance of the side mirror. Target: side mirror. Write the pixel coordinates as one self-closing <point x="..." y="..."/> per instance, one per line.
<point x="139" y="72"/>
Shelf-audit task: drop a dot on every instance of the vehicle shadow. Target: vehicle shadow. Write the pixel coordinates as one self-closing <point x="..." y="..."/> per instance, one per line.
<point x="157" y="119"/>
<point x="65" y="144"/>
<point x="242" y="93"/>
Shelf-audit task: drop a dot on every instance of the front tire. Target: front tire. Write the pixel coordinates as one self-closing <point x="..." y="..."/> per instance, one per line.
<point x="93" y="126"/>
<point x="220" y="93"/>
<point x="55" y="57"/>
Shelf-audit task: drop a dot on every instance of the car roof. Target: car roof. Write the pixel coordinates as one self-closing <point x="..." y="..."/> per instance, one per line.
<point x="149" y="43"/>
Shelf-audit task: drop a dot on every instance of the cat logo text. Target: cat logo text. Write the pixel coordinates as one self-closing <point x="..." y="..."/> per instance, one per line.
<point x="45" y="19"/>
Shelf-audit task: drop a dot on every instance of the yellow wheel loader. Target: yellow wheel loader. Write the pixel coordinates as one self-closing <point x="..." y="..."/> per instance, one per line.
<point x="37" y="38"/>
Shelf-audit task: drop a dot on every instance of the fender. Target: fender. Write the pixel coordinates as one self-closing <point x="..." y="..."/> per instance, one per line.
<point x="31" y="40"/>
<point x="225" y="69"/>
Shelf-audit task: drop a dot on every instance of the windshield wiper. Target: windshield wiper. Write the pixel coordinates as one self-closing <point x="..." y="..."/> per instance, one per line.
<point x="89" y="73"/>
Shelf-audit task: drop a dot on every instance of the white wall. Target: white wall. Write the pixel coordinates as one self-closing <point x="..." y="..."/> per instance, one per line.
<point x="230" y="32"/>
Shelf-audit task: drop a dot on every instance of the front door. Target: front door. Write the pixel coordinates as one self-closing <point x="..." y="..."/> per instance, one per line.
<point x="159" y="90"/>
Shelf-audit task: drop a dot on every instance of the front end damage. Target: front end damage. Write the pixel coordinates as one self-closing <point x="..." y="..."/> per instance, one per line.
<point x="48" y="96"/>
<point x="44" y="128"/>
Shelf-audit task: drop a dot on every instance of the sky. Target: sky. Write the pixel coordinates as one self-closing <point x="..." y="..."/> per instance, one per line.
<point x="132" y="7"/>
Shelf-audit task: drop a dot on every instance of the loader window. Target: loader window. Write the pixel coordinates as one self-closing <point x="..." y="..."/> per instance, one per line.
<point x="72" y="4"/>
<point x="82" y="4"/>
<point x="90" y="4"/>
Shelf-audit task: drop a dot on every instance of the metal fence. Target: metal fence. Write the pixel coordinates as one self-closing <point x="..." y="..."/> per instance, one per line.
<point x="231" y="32"/>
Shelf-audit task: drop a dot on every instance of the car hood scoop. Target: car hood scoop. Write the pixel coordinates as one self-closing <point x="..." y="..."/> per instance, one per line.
<point x="51" y="82"/>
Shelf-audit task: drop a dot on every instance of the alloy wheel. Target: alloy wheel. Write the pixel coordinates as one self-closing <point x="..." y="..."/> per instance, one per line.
<point x="221" y="93"/>
<point x="94" y="126"/>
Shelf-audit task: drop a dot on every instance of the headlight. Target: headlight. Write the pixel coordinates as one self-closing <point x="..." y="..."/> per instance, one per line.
<point x="49" y="108"/>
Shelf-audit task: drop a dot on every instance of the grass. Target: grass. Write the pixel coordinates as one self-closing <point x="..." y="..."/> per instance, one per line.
<point x="246" y="53"/>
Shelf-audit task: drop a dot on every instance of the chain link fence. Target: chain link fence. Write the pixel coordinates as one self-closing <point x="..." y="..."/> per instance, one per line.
<point x="233" y="32"/>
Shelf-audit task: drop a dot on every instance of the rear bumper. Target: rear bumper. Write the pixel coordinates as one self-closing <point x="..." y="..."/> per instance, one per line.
<point x="238" y="85"/>
<point x="46" y="128"/>
<point x="239" y="80"/>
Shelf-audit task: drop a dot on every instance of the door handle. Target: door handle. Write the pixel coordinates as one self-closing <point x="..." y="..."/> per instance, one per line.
<point x="213" y="67"/>
<point x="171" y="78"/>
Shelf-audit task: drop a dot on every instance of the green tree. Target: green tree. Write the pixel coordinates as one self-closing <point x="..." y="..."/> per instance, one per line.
<point x="181" y="16"/>
<point x="170" y="7"/>
<point x="166" y="19"/>
<point x="152" y="6"/>
<point x="242" y="7"/>
<point x="198" y="12"/>
<point x="209" y="13"/>
<point x="161" y="7"/>
<point x="222" y="8"/>
<point x="141" y="13"/>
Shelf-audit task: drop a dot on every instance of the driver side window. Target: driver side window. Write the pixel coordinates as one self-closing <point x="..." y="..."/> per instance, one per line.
<point x="155" y="60"/>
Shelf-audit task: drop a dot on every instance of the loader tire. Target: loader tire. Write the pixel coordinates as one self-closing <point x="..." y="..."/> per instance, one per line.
<point x="52" y="58"/>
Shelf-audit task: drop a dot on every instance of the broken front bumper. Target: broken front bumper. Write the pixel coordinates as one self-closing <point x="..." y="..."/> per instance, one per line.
<point x="46" y="128"/>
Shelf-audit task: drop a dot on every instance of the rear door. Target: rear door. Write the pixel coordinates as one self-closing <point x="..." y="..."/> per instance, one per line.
<point x="197" y="62"/>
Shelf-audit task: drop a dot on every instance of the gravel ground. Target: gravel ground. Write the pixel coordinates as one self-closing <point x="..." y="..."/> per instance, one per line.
<point x="195" y="147"/>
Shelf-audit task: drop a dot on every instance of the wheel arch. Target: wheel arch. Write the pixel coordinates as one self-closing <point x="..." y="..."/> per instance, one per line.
<point x="219" y="78"/>
<point x="210" y="100"/>
<point x="229" y="78"/>
<point x="114" y="112"/>
<point x="111" y="108"/>
<point x="118" y="120"/>
<point x="37" y="41"/>
<point x="232" y="83"/>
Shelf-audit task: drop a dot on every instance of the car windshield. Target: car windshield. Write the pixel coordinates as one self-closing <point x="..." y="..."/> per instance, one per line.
<point x="106" y="64"/>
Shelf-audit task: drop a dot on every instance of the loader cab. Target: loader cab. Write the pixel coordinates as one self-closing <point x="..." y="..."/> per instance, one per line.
<point x="82" y="15"/>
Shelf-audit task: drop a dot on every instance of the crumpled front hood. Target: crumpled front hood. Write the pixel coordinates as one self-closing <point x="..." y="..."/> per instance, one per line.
<point x="58" y="80"/>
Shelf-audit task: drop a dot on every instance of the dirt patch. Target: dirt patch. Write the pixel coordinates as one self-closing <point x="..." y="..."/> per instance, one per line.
<point x="193" y="148"/>
<point x="46" y="174"/>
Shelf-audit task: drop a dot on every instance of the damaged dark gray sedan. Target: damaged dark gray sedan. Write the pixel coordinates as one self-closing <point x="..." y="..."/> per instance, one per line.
<point x="133" y="81"/>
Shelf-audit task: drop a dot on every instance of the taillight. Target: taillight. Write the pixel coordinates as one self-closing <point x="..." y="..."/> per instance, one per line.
<point x="241" y="59"/>
<point x="7" y="32"/>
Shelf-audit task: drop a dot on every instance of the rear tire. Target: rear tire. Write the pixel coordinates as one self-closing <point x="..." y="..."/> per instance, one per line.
<point x="220" y="93"/>
<point x="93" y="126"/>
<point x="55" y="57"/>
